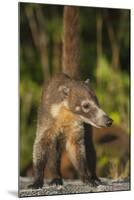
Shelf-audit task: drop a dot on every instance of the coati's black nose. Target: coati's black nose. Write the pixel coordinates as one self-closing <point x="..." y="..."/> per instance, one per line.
<point x="108" y="121"/>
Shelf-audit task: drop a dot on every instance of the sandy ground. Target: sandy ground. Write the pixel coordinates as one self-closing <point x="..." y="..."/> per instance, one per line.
<point x="71" y="187"/>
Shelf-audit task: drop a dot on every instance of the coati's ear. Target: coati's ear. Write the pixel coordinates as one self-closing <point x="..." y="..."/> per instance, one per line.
<point x="87" y="81"/>
<point x="64" y="90"/>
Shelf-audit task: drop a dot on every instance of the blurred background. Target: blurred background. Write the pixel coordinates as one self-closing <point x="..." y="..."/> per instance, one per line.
<point x="105" y="59"/>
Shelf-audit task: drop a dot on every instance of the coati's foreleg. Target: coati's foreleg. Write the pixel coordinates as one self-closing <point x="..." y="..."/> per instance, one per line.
<point x="75" y="148"/>
<point x="81" y="158"/>
<point x="90" y="154"/>
<point x="76" y="153"/>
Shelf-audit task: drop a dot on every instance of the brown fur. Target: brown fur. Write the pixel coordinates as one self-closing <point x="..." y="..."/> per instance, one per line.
<point x="71" y="38"/>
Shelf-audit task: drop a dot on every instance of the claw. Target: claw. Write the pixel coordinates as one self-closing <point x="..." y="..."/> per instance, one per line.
<point x="36" y="185"/>
<point x="93" y="181"/>
<point x="56" y="181"/>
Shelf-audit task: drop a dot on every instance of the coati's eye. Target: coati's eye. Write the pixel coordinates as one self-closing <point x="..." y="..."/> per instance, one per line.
<point x="85" y="107"/>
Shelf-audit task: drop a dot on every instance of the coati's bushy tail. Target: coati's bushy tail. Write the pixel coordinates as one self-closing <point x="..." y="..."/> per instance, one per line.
<point x="71" y="38"/>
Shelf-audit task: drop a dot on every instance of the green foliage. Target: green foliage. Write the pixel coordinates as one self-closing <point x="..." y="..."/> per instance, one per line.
<point x="30" y="92"/>
<point x="29" y="100"/>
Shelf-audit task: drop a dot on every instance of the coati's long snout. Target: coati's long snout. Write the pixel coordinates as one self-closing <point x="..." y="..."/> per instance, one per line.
<point x="100" y="119"/>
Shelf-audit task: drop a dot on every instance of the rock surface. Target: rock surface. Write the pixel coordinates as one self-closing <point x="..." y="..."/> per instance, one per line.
<point x="72" y="187"/>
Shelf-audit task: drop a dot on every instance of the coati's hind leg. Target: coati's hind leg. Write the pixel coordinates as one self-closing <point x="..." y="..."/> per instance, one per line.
<point x="46" y="151"/>
<point x="54" y="163"/>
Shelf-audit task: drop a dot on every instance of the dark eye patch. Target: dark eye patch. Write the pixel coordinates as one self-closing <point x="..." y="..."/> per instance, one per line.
<point x="86" y="106"/>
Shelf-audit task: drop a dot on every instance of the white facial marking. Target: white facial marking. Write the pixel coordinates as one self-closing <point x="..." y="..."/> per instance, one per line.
<point x="77" y="108"/>
<point x="99" y="117"/>
<point x="88" y="121"/>
<point x="100" y="113"/>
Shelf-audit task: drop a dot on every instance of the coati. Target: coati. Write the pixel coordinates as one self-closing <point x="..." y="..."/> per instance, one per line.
<point x="68" y="107"/>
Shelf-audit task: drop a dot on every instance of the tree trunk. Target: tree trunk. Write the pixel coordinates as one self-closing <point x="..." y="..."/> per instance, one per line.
<point x="39" y="37"/>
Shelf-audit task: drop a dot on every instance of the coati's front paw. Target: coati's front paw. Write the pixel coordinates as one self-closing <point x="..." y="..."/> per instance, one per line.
<point x="36" y="185"/>
<point x="56" y="181"/>
<point x="93" y="181"/>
